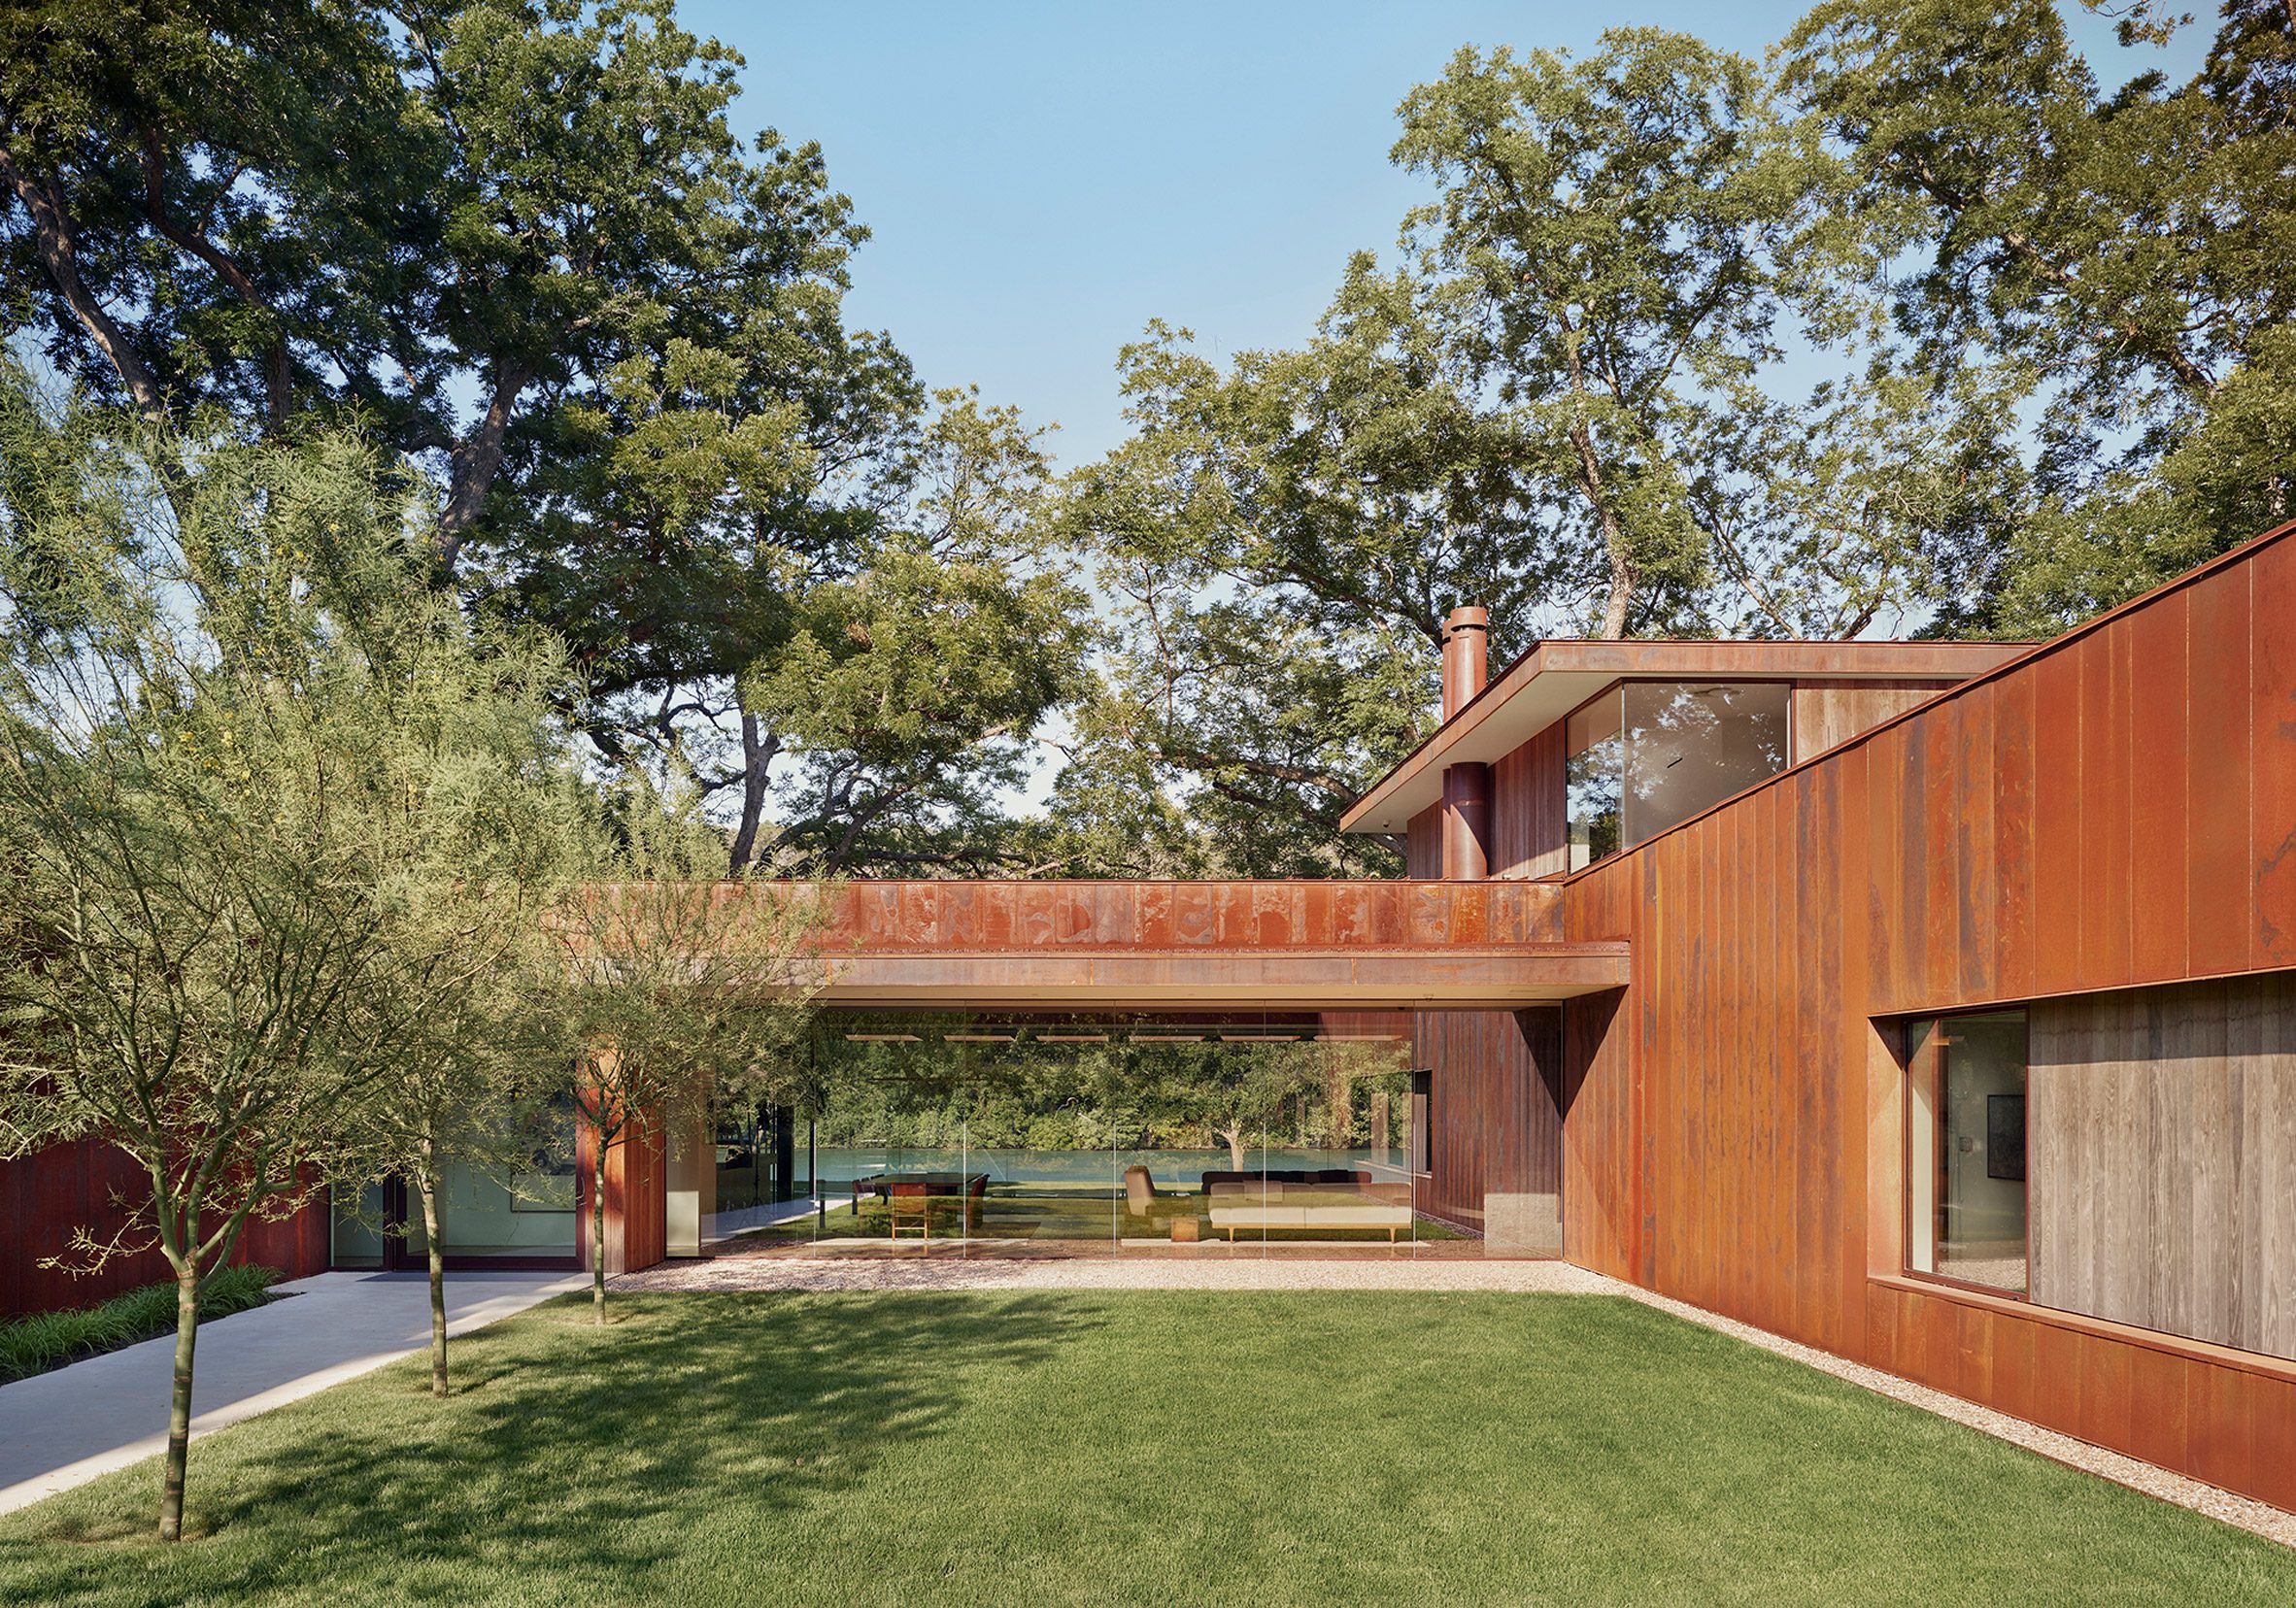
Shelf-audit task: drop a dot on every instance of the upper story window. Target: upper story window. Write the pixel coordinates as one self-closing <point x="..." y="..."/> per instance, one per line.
<point x="1647" y="756"/>
<point x="1591" y="777"/>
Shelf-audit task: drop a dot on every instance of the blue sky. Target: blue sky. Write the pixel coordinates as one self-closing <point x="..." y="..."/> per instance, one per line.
<point x="1044" y="179"/>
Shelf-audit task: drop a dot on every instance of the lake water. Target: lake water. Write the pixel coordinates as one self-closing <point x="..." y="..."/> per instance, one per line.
<point x="1171" y="1169"/>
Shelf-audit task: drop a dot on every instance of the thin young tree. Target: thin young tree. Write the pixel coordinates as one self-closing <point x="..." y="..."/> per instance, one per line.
<point x="479" y="824"/>
<point x="195" y="906"/>
<point x="682" y="989"/>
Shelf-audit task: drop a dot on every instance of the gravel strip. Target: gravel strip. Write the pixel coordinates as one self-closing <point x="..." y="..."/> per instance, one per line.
<point x="1257" y="1273"/>
<point x="2258" y="1518"/>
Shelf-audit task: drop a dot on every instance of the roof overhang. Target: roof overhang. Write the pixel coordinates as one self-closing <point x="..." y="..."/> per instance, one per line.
<point x="1554" y="678"/>
<point x="1466" y="978"/>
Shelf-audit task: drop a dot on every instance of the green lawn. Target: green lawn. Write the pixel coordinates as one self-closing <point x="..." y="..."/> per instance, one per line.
<point x="1170" y="1448"/>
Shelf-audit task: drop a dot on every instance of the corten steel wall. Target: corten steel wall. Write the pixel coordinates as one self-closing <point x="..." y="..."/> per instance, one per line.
<point x="637" y="1196"/>
<point x="2116" y="809"/>
<point x="44" y="1197"/>
<point x="1497" y="1127"/>
<point x="1423" y="843"/>
<point x="926" y="917"/>
<point x="1528" y="831"/>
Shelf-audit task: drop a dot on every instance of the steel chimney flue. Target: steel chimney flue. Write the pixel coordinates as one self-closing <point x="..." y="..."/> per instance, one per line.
<point x="1466" y="656"/>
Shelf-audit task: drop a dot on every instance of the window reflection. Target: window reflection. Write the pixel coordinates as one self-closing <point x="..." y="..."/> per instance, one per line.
<point x="1690" y="747"/>
<point x="1647" y="755"/>
<point x="1592" y="779"/>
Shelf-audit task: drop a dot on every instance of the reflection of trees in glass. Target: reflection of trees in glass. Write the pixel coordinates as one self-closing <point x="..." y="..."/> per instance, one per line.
<point x="1593" y="788"/>
<point x="1688" y="747"/>
<point x="1152" y="1096"/>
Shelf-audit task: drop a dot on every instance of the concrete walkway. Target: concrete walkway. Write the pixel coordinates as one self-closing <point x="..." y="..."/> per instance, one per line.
<point x="63" y="1429"/>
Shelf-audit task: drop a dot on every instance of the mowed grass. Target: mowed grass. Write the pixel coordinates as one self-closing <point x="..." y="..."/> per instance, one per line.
<point x="1163" y="1447"/>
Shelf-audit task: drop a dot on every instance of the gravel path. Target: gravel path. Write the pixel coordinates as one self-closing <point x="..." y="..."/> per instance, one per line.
<point x="1257" y="1273"/>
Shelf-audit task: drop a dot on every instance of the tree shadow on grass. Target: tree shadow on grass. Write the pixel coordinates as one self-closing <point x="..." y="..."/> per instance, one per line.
<point x="572" y="1449"/>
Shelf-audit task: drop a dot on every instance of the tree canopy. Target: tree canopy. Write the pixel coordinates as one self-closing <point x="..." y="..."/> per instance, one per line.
<point x="1928" y="321"/>
<point x="1918" y="325"/>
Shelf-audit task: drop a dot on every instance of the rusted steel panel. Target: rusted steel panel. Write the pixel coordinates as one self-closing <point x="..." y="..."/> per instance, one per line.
<point x="1423" y="843"/>
<point x="2272" y="1411"/>
<point x="2104" y="783"/>
<point x="1844" y="1037"/>
<point x="1195" y="915"/>
<point x="2013" y="1369"/>
<point x="2106" y="1392"/>
<point x="44" y="1197"/>
<point x="2159" y="693"/>
<point x="2059" y="801"/>
<point x="1939" y="869"/>
<point x="1976" y="902"/>
<point x="2273" y="802"/>
<point x="2157" y="1430"/>
<point x="2014" y="759"/>
<point x="2219" y="781"/>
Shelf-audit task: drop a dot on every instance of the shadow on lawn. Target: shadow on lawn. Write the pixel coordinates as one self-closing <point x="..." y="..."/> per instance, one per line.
<point x="569" y="1444"/>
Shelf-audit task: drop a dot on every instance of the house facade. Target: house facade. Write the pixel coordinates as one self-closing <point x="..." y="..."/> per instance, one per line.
<point x="1932" y="1004"/>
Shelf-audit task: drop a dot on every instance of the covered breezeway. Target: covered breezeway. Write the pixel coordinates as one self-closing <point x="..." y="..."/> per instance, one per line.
<point x="1173" y="1069"/>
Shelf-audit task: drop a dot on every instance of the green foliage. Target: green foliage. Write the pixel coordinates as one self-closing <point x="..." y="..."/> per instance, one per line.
<point x="2120" y="253"/>
<point x="1575" y="404"/>
<point x="42" y="1340"/>
<point x="1035" y="1095"/>
<point x="270" y="800"/>
<point x="519" y="242"/>
<point x="909" y="689"/>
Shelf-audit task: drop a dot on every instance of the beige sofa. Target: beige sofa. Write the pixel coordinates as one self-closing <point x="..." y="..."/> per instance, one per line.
<point x="1266" y="1206"/>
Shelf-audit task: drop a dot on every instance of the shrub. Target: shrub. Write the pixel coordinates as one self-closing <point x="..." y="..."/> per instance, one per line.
<point x="45" y="1340"/>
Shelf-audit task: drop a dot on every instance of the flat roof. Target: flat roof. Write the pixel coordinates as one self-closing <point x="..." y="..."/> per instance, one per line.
<point x="1556" y="676"/>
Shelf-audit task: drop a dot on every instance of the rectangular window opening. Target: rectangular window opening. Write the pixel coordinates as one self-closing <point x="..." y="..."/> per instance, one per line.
<point x="1966" y="1204"/>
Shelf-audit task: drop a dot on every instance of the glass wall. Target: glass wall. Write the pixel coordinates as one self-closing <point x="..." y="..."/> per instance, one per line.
<point x="1964" y="1149"/>
<point x="520" y="1212"/>
<point x="1647" y="755"/>
<point x="1108" y="1138"/>
<point x="357" y="1222"/>
<point x="1591" y="778"/>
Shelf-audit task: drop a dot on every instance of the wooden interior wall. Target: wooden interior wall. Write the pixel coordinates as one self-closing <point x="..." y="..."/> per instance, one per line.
<point x="2115" y="809"/>
<point x="44" y="1197"/>
<point x="1828" y="714"/>
<point x="1498" y="1119"/>
<point x="1528" y="833"/>
<point x="2161" y="1180"/>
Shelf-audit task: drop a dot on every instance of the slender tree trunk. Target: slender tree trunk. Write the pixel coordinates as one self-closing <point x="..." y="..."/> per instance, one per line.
<point x="179" y="1410"/>
<point x="426" y="1184"/>
<point x="1235" y="1138"/>
<point x="597" y="1235"/>
<point x="477" y="459"/>
<point x="757" y="752"/>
